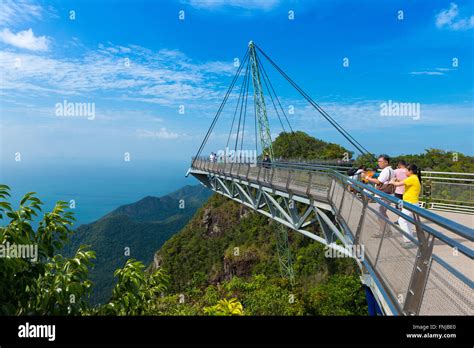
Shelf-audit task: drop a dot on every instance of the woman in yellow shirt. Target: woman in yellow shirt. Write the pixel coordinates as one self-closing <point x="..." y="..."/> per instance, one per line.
<point x="411" y="195"/>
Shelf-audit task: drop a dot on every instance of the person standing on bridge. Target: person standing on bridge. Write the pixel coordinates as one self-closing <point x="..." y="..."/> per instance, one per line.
<point x="381" y="182"/>
<point x="400" y="175"/>
<point x="267" y="164"/>
<point x="412" y="185"/>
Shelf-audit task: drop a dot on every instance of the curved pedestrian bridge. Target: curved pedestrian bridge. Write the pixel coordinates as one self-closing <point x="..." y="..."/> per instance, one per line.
<point x="433" y="276"/>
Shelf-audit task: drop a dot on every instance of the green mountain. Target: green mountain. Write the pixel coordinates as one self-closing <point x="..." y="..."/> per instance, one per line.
<point x="222" y="262"/>
<point x="300" y="145"/>
<point x="135" y="231"/>
<point x="228" y="251"/>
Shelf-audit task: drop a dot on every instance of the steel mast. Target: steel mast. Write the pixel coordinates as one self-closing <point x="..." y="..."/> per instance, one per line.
<point x="281" y="233"/>
<point x="259" y="103"/>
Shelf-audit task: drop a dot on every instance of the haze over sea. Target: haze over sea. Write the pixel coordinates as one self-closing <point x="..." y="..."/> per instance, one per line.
<point x="96" y="188"/>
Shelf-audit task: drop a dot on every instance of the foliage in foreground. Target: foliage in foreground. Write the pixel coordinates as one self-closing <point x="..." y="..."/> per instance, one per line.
<point x="225" y="308"/>
<point x="136" y="291"/>
<point x="56" y="285"/>
<point x="44" y="283"/>
<point x="48" y="283"/>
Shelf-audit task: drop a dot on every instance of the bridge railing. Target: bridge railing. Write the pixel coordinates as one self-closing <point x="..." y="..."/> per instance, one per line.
<point x="436" y="276"/>
<point x="449" y="191"/>
<point x="433" y="277"/>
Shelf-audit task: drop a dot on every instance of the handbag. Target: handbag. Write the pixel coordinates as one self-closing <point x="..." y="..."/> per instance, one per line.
<point x="386" y="187"/>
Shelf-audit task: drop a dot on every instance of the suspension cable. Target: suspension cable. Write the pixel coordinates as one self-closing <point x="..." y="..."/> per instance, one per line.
<point x="265" y="79"/>
<point x="270" y="94"/>
<point x="237" y="106"/>
<point x="255" y="119"/>
<point x="245" y="110"/>
<point x="216" y="117"/>
<point x="265" y="75"/>
<point x="244" y="85"/>
<point x="338" y="127"/>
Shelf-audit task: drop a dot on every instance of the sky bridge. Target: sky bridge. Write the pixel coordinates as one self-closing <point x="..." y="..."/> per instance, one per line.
<point x="434" y="276"/>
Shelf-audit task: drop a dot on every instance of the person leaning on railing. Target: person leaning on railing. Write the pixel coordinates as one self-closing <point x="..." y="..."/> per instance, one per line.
<point x="411" y="195"/>
<point x="382" y="183"/>
<point x="400" y="175"/>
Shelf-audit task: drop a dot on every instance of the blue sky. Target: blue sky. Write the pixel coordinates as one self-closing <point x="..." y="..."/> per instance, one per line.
<point x="47" y="57"/>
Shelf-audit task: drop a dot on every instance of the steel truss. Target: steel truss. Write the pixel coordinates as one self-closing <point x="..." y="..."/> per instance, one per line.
<point x="346" y="211"/>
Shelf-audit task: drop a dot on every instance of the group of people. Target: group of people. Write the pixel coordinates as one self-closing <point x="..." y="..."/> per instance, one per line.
<point x="213" y="157"/>
<point x="403" y="182"/>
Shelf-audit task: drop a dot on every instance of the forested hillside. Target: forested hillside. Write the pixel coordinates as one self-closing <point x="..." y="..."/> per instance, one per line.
<point x="135" y="231"/>
<point x="223" y="260"/>
<point x="227" y="251"/>
<point x="299" y="145"/>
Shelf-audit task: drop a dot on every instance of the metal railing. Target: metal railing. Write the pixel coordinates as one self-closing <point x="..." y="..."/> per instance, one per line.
<point x="432" y="277"/>
<point x="449" y="191"/>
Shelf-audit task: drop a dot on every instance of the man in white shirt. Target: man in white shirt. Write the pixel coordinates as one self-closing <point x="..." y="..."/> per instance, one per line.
<point x="385" y="176"/>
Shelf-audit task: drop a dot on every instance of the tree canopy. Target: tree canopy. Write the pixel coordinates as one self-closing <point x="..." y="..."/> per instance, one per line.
<point x="299" y="145"/>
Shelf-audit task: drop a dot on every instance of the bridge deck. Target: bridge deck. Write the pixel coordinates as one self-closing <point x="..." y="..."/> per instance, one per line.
<point x="448" y="289"/>
<point x="444" y="293"/>
<point x="465" y="219"/>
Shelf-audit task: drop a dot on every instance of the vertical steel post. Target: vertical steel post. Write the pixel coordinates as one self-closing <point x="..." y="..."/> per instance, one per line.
<point x="259" y="102"/>
<point x="421" y="270"/>
<point x="284" y="254"/>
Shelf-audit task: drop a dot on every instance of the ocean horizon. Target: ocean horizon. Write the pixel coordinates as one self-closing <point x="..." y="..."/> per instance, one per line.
<point x="97" y="188"/>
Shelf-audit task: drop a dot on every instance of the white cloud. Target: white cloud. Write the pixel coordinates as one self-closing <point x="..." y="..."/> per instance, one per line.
<point x="166" y="77"/>
<point x="244" y="4"/>
<point x="24" y="39"/>
<point x="365" y="114"/>
<point x="162" y="134"/>
<point x="427" y="73"/>
<point x="449" y="18"/>
<point x="463" y="24"/>
<point x="432" y="72"/>
<point x="224" y="68"/>
<point x="18" y="11"/>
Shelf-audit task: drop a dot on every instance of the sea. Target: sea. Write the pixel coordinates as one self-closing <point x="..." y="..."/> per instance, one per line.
<point x="93" y="189"/>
